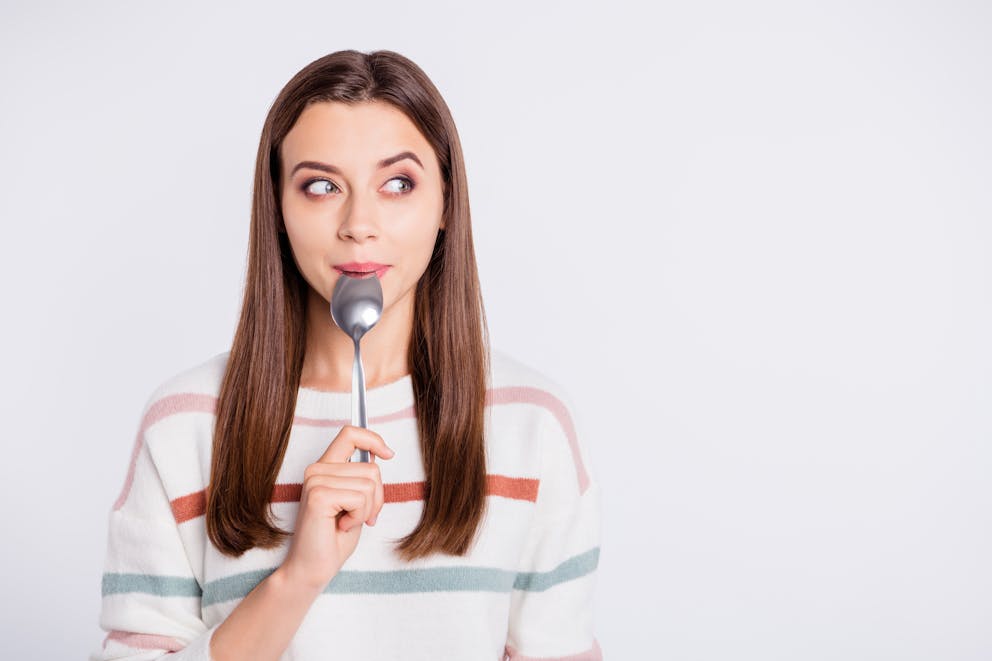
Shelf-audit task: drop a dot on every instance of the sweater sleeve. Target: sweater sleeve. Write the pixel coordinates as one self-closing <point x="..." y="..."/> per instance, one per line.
<point x="150" y="606"/>
<point x="551" y="605"/>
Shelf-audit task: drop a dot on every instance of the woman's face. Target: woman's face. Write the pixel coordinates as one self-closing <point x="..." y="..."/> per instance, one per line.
<point x="341" y="205"/>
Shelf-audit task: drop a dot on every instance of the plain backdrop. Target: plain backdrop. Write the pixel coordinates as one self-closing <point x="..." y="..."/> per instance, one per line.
<point x="751" y="240"/>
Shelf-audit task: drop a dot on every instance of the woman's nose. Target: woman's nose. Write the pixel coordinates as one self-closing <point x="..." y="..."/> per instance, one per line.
<point x="359" y="223"/>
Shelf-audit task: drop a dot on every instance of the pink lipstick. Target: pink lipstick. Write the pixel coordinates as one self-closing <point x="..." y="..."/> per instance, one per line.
<point x="362" y="269"/>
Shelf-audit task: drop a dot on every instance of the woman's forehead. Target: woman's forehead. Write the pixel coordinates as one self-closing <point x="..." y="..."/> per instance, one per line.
<point x="354" y="135"/>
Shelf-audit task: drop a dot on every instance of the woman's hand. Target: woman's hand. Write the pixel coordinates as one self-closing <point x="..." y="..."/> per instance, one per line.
<point x="338" y="496"/>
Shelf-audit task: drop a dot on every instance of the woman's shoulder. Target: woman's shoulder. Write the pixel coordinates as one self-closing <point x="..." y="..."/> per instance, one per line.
<point x="173" y="431"/>
<point x="511" y="377"/>
<point x="527" y="390"/>
<point x="202" y="379"/>
<point x="507" y="371"/>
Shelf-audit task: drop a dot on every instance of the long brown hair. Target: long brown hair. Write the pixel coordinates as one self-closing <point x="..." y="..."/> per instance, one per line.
<point x="448" y="352"/>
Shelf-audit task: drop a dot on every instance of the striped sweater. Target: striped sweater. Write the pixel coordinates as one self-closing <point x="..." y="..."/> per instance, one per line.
<point x="523" y="592"/>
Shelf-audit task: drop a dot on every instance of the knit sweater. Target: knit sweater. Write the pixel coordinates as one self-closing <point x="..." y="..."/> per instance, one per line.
<point x="523" y="592"/>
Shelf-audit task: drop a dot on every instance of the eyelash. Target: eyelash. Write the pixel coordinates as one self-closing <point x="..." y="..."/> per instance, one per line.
<point x="410" y="186"/>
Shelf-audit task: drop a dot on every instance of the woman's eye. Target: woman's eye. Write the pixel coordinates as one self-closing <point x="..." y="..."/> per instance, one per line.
<point x="322" y="187"/>
<point x="319" y="187"/>
<point x="403" y="180"/>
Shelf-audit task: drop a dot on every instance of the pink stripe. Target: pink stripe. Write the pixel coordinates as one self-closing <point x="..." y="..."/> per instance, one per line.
<point x="594" y="653"/>
<point x="340" y="422"/>
<point x="144" y="641"/>
<point x="527" y="395"/>
<point x="197" y="403"/>
<point x="169" y="405"/>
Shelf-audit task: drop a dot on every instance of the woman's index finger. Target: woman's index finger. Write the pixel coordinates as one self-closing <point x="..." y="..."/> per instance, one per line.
<point x="350" y="439"/>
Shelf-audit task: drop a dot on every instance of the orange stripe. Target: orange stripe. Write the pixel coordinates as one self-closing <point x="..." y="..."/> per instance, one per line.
<point x="193" y="505"/>
<point x="518" y="488"/>
<point x="198" y="403"/>
<point x="189" y="506"/>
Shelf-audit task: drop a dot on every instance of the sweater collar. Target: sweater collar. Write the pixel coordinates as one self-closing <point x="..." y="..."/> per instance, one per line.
<point x="381" y="400"/>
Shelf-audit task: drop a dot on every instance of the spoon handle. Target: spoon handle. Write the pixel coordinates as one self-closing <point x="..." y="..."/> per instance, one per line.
<point x="358" y="418"/>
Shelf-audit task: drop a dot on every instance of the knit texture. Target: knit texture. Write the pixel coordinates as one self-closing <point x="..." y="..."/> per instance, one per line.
<point x="523" y="592"/>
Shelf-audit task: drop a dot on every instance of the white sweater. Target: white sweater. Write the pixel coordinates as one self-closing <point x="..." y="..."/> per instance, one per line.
<point x="523" y="592"/>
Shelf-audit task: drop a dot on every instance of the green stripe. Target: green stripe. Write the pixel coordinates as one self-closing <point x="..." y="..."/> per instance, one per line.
<point x="162" y="586"/>
<point x="574" y="567"/>
<point x="233" y="587"/>
<point x="434" y="579"/>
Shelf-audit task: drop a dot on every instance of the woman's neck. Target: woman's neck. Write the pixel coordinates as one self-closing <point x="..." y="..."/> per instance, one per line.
<point x="327" y="364"/>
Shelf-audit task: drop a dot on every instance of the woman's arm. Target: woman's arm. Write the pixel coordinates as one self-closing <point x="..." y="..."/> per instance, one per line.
<point x="263" y="624"/>
<point x="152" y="610"/>
<point x="152" y="597"/>
<point x="552" y="602"/>
<point x="336" y="499"/>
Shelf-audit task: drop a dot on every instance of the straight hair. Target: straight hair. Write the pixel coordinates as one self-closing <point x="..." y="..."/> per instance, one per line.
<point x="448" y="354"/>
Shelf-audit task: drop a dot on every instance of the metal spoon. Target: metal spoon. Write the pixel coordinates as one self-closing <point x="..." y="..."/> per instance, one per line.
<point x="356" y="306"/>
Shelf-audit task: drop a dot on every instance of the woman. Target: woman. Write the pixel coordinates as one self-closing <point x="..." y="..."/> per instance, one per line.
<point x="489" y="544"/>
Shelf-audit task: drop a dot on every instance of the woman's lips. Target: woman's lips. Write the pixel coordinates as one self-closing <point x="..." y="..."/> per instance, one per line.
<point x="362" y="269"/>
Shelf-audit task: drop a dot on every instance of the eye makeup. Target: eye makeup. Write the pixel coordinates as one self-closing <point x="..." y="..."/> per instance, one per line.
<point x="410" y="183"/>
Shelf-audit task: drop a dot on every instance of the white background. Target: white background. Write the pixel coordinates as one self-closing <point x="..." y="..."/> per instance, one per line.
<point x="752" y="240"/>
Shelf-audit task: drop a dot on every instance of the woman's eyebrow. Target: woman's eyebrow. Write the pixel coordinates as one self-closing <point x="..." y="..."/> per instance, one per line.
<point x="325" y="167"/>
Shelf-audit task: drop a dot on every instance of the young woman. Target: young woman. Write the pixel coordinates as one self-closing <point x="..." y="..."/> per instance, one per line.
<point x="241" y="533"/>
